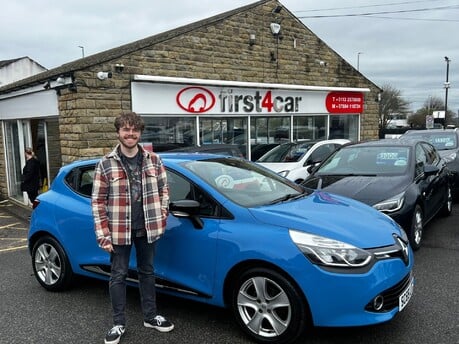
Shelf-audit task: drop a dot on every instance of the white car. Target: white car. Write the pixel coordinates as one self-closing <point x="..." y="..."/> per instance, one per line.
<point x="292" y="159"/>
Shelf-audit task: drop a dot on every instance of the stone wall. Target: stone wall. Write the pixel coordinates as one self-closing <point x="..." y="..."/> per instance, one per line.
<point x="218" y="51"/>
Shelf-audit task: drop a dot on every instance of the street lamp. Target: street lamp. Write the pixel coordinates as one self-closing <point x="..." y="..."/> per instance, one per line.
<point x="82" y="50"/>
<point x="358" y="59"/>
<point x="447" y="60"/>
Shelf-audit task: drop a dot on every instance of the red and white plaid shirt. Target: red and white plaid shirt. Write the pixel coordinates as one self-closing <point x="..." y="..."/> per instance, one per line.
<point x="111" y="199"/>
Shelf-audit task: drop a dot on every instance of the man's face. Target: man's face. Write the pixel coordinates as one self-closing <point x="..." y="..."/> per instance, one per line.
<point x="128" y="136"/>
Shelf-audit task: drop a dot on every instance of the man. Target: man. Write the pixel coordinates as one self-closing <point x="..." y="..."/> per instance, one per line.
<point x="130" y="200"/>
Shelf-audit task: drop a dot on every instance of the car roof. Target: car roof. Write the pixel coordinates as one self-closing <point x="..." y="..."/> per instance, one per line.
<point x="432" y="131"/>
<point x="167" y="157"/>
<point x="406" y="142"/>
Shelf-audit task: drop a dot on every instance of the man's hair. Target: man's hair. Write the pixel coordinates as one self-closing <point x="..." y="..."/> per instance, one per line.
<point x="131" y="119"/>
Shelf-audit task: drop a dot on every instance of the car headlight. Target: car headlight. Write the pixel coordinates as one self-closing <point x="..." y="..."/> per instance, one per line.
<point x="283" y="173"/>
<point x="325" y="251"/>
<point x="391" y="204"/>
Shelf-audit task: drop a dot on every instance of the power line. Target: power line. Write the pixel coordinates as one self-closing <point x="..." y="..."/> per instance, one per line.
<point x="364" y="6"/>
<point x="379" y="13"/>
<point x="416" y="19"/>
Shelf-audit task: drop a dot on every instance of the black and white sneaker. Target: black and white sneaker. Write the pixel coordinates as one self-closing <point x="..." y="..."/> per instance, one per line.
<point x="159" y="323"/>
<point x="114" y="335"/>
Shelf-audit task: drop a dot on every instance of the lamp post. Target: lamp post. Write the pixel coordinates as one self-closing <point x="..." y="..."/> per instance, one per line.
<point x="358" y="60"/>
<point x="447" y="60"/>
<point x="82" y="50"/>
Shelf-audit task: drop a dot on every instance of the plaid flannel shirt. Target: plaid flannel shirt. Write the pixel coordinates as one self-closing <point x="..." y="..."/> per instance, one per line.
<point x="111" y="199"/>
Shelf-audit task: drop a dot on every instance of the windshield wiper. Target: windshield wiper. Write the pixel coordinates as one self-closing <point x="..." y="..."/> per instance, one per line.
<point x="347" y="175"/>
<point x="286" y="197"/>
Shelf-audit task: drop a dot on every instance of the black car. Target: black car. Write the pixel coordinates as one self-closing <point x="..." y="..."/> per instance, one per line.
<point x="446" y="141"/>
<point x="405" y="179"/>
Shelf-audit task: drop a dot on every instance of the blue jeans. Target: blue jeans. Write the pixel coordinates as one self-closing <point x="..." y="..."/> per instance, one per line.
<point x="117" y="286"/>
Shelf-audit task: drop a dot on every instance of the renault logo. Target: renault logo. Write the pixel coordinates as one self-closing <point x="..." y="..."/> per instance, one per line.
<point x="404" y="247"/>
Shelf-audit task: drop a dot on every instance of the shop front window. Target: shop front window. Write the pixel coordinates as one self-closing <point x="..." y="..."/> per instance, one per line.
<point x="264" y="130"/>
<point x="344" y="127"/>
<point x="310" y="128"/>
<point x="162" y="134"/>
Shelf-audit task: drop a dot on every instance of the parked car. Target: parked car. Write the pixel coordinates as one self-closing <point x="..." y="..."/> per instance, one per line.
<point x="241" y="236"/>
<point x="292" y="159"/>
<point x="446" y="141"/>
<point x="405" y="179"/>
<point x="217" y="148"/>
<point x="259" y="149"/>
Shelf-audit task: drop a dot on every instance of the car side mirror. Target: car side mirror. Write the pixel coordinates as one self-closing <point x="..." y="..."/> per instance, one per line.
<point x="187" y="208"/>
<point x="430" y="170"/>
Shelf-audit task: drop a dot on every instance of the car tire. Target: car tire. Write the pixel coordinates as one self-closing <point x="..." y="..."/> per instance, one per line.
<point x="448" y="205"/>
<point x="259" y="314"/>
<point x="50" y="264"/>
<point x="417" y="228"/>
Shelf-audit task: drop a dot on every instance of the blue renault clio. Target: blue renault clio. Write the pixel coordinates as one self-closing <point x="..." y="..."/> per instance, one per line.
<point x="281" y="257"/>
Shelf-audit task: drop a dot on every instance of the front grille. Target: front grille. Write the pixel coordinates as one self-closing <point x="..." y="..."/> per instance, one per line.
<point x="391" y="296"/>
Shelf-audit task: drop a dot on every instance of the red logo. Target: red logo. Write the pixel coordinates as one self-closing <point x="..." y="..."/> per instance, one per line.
<point x="195" y="99"/>
<point x="344" y="102"/>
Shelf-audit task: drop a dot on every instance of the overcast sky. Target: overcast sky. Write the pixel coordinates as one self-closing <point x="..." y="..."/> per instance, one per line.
<point x="395" y="42"/>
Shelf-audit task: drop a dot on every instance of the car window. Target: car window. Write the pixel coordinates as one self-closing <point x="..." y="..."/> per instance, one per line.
<point x="244" y="183"/>
<point x="441" y="140"/>
<point x="431" y="154"/>
<point x="80" y="179"/>
<point x="181" y="188"/>
<point x="287" y="152"/>
<point x="376" y="160"/>
<point x="421" y="160"/>
<point x="321" y="152"/>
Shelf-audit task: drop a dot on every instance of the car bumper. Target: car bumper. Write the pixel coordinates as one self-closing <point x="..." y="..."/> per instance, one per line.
<point x="338" y="300"/>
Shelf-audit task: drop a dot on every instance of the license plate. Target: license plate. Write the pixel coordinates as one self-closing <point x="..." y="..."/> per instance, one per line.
<point x="405" y="296"/>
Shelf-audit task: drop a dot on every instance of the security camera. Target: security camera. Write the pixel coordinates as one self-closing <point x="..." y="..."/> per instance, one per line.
<point x="275" y="28"/>
<point x="104" y="75"/>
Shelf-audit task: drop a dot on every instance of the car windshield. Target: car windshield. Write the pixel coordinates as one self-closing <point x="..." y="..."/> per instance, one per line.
<point x="243" y="182"/>
<point x="365" y="160"/>
<point x="441" y="140"/>
<point x="291" y="152"/>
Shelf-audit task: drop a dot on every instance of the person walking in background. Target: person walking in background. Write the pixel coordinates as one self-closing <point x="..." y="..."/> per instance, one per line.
<point x="30" y="182"/>
<point x="130" y="201"/>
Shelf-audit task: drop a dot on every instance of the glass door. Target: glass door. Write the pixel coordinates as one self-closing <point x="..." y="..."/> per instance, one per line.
<point x="20" y="134"/>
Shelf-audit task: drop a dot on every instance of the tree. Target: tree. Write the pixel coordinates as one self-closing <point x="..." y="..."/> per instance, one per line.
<point x="418" y="120"/>
<point x="391" y="103"/>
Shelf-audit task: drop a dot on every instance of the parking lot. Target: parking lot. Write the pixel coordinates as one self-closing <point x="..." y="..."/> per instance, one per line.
<point x="29" y="314"/>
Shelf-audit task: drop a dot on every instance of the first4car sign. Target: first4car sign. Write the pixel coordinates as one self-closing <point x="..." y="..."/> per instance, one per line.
<point x="175" y="98"/>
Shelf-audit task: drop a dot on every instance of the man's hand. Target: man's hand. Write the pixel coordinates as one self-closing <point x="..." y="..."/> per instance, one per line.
<point x="108" y="248"/>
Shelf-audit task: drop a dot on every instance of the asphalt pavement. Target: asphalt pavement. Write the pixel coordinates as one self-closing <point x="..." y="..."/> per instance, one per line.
<point x="29" y="314"/>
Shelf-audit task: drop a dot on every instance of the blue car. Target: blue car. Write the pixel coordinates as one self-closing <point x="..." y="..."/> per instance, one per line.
<point x="281" y="257"/>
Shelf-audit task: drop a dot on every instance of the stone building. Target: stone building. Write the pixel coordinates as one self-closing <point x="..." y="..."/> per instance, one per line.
<point x="252" y="75"/>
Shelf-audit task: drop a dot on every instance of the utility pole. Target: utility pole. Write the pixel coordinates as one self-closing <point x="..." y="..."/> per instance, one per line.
<point x="447" y="60"/>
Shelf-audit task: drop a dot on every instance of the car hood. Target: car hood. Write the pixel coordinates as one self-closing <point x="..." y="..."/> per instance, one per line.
<point x="332" y="216"/>
<point x="369" y="190"/>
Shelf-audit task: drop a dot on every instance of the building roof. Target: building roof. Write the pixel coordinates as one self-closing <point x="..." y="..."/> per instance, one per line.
<point x="120" y="51"/>
<point x="4" y="63"/>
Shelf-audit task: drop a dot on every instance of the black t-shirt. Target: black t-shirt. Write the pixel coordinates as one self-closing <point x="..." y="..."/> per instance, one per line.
<point x="133" y="168"/>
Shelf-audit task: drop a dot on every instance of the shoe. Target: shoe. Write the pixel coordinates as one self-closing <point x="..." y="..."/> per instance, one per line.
<point x="159" y="323"/>
<point x="114" y="335"/>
